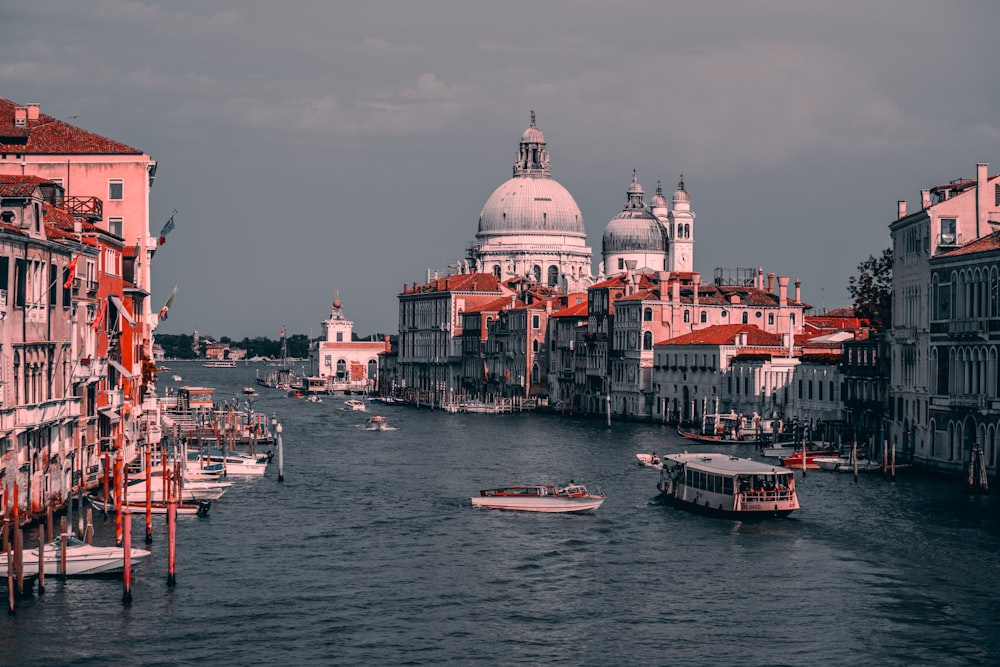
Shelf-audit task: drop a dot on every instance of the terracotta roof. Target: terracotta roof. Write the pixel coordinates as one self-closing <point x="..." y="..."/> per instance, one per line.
<point x="495" y="306"/>
<point x="461" y="282"/>
<point x="725" y="334"/>
<point x="576" y="310"/>
<point x="984" y="243"/>
<point x="49" y="136"/>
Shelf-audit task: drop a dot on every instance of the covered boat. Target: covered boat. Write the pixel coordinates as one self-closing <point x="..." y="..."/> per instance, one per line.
<point x="728" y="486"/>
<point x="540" y="498"/>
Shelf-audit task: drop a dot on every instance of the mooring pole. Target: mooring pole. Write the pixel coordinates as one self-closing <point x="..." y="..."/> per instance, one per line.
<point x="281" y="454"/>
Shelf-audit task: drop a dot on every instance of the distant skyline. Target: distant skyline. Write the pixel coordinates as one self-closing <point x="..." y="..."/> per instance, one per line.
<point x="312" y="148"/>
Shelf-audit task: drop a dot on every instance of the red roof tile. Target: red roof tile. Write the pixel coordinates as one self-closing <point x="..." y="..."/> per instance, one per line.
<point x="50" y="136"/>
<point x="725" y="334"/>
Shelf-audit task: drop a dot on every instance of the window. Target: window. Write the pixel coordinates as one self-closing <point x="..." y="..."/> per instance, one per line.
<point x="534" y="321"/>
<point x="115" y="226"/>
<point x="746" y="318"/>
<point x="621" y="263"/>
<point x="770" y="319"/>
<point x="553" y="276"/>
<point x="647" y="340"/>
<point x="704" y="317"/>
<point x="687" y="315"/>
<point x="340" y="336"/>
<point x="116" y="189"/>
<point x="647" y="315"/>
<point x="948" y="226"/>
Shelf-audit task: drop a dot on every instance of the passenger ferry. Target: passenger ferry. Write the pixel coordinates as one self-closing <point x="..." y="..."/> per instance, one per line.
<point x="727" y="486"/>
<point x="220" y="363"/>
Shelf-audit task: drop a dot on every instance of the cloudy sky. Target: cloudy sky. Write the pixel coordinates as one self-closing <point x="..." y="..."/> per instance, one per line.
<point x="314" y="147"/>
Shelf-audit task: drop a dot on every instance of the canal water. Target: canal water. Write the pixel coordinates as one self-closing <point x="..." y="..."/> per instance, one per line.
<point x="370" y="553"/>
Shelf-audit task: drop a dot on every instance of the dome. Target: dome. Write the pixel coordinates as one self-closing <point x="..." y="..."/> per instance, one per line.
<point x="658" y="200"/>
<point x="681" y="195"/>
<point x="635" y="230"/>
<point x="531" y="203"/>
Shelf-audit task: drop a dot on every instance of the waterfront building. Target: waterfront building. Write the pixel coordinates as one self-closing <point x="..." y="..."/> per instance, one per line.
<point x="531" y="227"/>
<point x="347" y="364"/>
<point x="476" y="323"/>
<point x="964" y="346"/>
<point x="865" y="371"/>
<point x="566" y="343"/>
<point x="429" y="361"/>
<point x="951" y="216"/>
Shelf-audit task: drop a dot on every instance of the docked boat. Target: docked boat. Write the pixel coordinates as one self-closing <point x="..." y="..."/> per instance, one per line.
<point x="795" y="460"/>
<point x="780" y="450"/>
<point x="191" y="491"/>
<point x="845" y="464"/>
<point x="355" y="404"/>
<point x="731" y="428"/>
<point x="82" y="559"/>
<point x="233" y="463"/>
<point x="541" y="498"/>
<point x="727" y="486"/>
<point x="200" y="508"/>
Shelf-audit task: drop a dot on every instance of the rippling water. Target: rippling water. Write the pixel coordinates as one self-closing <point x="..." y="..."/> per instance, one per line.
<point x="370" y="553"/>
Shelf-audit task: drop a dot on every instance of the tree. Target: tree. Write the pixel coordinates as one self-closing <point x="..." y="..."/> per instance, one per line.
<point x="871" y="290"/>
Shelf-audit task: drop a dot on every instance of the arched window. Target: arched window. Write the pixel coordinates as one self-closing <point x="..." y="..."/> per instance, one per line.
<point x="746" y="318"/>
<point x="647" y="315"/>
<point x="372" y="369"/>
<point x="687" y="315"/>
<point x="341" y="368"/>
<point x="534" y="346"/>
<point x="496" y="271"/>
<point x="535" y="373"/>
<point x="553" y="276"/>
<point x="647" y="340"/>
<point x="704" y="317"/>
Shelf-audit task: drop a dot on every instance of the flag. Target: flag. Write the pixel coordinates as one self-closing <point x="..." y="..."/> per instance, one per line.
<point x="71" y="272"/>
<point x="282" y="334"/>
<point x="99" y="318"/>
<point x="166" y="306"/>
<point x="167" y="228"/>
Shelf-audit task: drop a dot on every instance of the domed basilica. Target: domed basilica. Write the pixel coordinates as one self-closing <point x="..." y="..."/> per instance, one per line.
<point x="532" y="227"/>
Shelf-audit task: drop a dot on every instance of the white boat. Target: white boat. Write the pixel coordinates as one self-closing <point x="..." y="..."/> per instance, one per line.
<point x="540" y="498"/>
<point x="785" y="449"/>
<point x="355" y="404"/>
<point x="191" y="491"/>
<point x="138" y="508"/>
<point x="234" y="463"/>
<point x="377" y="423"/>
<point x="177" y="378"/>
<point x="82" y="559"/>
<point x="845" y="464"/>
<point x="313" y="398"/>
<point x="728" y="486"/>
<point x="649" y="460"/>
<point x="220" y="363"/>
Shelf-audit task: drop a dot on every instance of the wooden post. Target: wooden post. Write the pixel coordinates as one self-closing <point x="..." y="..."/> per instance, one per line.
<point x="127" y="559"/>
<point x="18" y="546"/>
<point x="119" y="492"/>
<point x="9" y="554"/>
<point x="885" y="453"/>
<point x="107" y="474"/>
<point x="854" y="458"/>
<point x="171" y="541"/>
<point x="41" y="563"/>
<point x="88" y="529"/>
<point x="149" y="495"/>
<point x="62" y="548"/>
<point x="281" y="454"/>
<point x="894" y="462"/>
<point x="48" y="524"/>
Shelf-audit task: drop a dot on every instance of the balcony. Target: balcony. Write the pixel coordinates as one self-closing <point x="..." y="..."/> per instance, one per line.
<point x="90" y="208"/>
<point x="967" y="328"/>
<point x="967" y="402"/>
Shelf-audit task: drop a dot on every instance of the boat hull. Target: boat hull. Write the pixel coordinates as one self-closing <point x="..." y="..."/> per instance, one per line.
<point x="584" y="505"/>
<point x="82" y="560"/>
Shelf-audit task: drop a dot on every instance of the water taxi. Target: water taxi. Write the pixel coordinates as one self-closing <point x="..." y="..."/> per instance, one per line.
<point x="377" y="423"/>
<point x="355" y="404"/>
<point x="728" y="486"/>
<point x="541" y="498"/>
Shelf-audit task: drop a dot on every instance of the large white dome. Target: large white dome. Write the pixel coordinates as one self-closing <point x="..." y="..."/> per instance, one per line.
<point x="531" y="203"/>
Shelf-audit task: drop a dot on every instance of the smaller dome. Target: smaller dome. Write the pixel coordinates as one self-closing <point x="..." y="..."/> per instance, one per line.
<point x="658" y="200"/>
<point x="634" y="230"/>
<point x="532" y="135"/>
<point x="681" y="194"/>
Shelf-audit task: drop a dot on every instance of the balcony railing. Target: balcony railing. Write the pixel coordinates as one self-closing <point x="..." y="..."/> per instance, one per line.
<point x="91" y="208"/>
<point x="967" y="401"/>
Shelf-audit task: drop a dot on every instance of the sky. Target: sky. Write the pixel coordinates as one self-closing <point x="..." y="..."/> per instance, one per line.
<point x="315" y="149"/>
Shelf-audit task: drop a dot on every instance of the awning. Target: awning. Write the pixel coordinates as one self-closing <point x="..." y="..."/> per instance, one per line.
<point x="121" y="369"/>
<point x="121" y="309"/>
<point x="110" y="414"/>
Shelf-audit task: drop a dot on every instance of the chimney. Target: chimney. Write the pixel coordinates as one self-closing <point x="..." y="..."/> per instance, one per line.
<point x="900" y="209"/>
<point x="77" y="225"/>
<point x="982" y="201"/>
<point x="20" y="116"/>
<point x="770" y="281"/>
<point x="925" y="199"/>
<point x="33" y="111"/>
<point x="782" y="291"/>
<point x="675" y="289"/>
<point x="798" y="290"/>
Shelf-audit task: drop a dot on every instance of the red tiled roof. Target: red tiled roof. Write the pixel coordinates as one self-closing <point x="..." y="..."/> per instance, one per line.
<point x="576" y="310"/>
<point x="50" y="136"/>
<point x="725" y="334"/>
<point x="988" y="242"/>
<point x="460" y="282"/>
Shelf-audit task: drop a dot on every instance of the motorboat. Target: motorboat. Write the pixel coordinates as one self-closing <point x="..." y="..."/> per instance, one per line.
<point x="192" y="491"/>
<point x="540" y="498"/>
<point x="355" y="404"/>
<point x="313" y="398"/>
<point x="82" y="559"/>
<point x="788" y="447"/>
<point x="795" y="460"/>
<point x="233" y="463"/>
<point x="728" y="486"/>
<point x="138" y="507"/>
<point x="649" y="460"/>
<point x="728" y="428"/>
<point x="845" y="464"/>
<point x="377" y="423"/>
